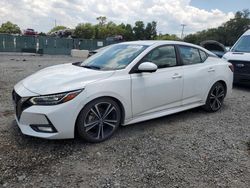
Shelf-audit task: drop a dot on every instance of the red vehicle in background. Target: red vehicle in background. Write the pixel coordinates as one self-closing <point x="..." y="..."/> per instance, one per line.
<point x="30" y="32"/>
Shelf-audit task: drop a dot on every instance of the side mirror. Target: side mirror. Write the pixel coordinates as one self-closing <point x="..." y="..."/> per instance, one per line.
<point x="147" y="67"/>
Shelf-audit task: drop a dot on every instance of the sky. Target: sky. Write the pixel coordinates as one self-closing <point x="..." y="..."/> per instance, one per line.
<point x="169" y="14"/>
<point x="224" y="5"/>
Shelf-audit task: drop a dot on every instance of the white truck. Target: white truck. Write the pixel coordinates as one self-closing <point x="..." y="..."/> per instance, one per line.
<point x="239" y="56"/>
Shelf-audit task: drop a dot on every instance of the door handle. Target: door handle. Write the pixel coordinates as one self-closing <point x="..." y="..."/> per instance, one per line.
<point x="176" y="75"/>
<point x="211" y="69"/>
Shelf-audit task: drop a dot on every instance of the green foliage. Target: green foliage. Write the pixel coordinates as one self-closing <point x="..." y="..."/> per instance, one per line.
<point x="227" y="33"/>
<point x="57" y="28"/>
<point x="42" y="34"/>
<point x="168" y="37"/>
<point x="105" y="29"/>
<point x="129" y="34"/>
<point x="85" y="30"/>
<point x="10" y="28"/>
<point x="150" y="31"/>
<point x="102" y="20"/>
<point x="139" y="29"/>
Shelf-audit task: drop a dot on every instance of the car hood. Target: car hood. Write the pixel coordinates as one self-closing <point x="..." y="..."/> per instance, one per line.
<point x="61" y="78"/>
<point x="238" y="56"/>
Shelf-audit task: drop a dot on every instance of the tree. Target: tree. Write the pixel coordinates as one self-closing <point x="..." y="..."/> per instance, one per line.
<point x="102" y="20"/>
<point x="10" y="28"/>
<point x="42" y="34"/>
<point x="85" y="30"/>
<point x="235" y="27"/>
<point x="227" y="33"/>
<point x="101" y="32"/>
<point x="105" y="29"/>
<point x="57" y="28"/>
<point x="129" y="33"/>
<point x="139" y="30"/>
<point x="108" y="30"/>
<point x="126" y="31"/>
<point x="150" y="31"/>
<point x="167" y="37"/>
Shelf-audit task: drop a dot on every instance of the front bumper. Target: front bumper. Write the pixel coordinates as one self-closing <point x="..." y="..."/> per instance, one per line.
<point x="35" y="120"/>
<point x="242" y="78"/>
<point x="59" y="117"/>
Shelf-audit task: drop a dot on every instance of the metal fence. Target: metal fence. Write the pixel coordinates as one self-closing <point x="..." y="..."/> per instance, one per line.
<point x="47" y="45"/>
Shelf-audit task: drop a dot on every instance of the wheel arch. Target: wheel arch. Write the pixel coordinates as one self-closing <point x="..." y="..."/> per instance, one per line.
<point x="223" y="82"/>
<point x="110" y="97"/>
<point x="224" y="85"/>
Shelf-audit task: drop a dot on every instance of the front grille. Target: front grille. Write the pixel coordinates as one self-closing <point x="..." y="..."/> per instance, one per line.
<point x="16" y="98"/>
<point x="20" y="103"/>
<point x="241" y="67"/>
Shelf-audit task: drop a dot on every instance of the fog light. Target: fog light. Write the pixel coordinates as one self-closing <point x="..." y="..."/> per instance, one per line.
<point x="44" y="128"/>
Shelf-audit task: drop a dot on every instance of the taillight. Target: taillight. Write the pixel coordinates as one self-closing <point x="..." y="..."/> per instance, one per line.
<point x="231" y="67"/>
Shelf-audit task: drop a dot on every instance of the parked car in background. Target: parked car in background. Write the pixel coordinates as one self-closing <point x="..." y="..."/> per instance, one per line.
<point x="239" y="56"/>
<point x="215" y="47"/>
<point x="115" y="38"/>
<point x="92" y="52"/>
<point x="64" y="33"/>
<point x="30" y="32"/>
<point x="123" y="84"/>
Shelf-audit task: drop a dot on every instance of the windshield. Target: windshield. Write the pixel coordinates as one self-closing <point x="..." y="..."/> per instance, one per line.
<point x="243" y="45"/>
<point x="114" y="57"/>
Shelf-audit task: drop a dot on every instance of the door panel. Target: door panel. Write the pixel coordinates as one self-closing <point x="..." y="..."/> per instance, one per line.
<point x="198" y="74"/>
<point x="157" y="91"/>
<point x="197" y="78"/>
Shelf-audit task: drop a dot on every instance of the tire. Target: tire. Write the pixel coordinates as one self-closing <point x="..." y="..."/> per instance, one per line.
<point x="215" y="97"/>
<point x="98" y="120"/>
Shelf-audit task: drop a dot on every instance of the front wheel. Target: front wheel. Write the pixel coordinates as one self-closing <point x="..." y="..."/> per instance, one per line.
<point x="99" y="120"/>
<point x="215" y="97"/>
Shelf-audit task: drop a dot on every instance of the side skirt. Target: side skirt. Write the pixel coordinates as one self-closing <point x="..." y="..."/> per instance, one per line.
<point x="161" y="113"/>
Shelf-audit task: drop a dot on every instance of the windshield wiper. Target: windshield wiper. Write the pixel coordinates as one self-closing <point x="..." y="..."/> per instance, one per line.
<point x="91" y="67"/>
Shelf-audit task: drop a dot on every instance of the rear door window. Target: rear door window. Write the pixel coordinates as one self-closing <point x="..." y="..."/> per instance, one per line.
<point x="190" y="55"/>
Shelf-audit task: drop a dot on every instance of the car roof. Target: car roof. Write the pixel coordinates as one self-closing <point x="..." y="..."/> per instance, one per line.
<point x="159" y="42"/>
<point x="165" y="42"/>
<point x="153" y="42"/>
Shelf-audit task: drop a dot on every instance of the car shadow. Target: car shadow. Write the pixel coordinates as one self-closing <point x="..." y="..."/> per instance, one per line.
<point x="57" y="147"/>
<point x="33" y="153"/>
<point x="29" y="141"/>
<point x="161" y="122"/>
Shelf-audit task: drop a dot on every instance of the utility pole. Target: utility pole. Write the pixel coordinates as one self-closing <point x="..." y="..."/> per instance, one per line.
<point x="182" y="32"/>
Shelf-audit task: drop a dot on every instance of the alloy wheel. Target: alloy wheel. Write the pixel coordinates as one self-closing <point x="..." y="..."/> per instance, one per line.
<point x="101" y="120"/>
<point x="216" y="97"/>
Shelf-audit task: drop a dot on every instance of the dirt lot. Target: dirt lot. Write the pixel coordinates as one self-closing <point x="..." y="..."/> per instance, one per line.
<point x="189" y="149"/>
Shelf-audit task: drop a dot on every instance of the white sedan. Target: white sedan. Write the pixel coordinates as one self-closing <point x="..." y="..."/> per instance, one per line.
<point x="124" y="84"/>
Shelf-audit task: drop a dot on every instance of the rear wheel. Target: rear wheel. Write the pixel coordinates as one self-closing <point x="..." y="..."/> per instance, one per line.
<point x="215" y="97"/>
<point x="99" y="120"/>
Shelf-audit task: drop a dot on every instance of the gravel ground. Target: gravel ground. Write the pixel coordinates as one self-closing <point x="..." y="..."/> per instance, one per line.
<point x="188" y="149"/>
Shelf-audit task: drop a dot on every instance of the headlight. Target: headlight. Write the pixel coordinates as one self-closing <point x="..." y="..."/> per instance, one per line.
<point x="55" y="98"/>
